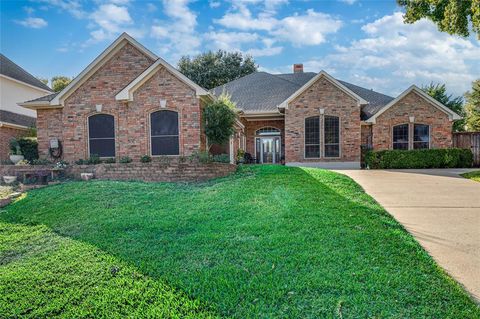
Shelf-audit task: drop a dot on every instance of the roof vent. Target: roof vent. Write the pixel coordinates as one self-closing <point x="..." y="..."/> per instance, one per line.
<point x="298" y="68"/>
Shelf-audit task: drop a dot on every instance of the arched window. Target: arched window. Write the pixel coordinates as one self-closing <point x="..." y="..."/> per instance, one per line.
<point x="164" y="133"/>
<point x="331" y="136"/>
<point x="421" y="136"/>
<point x="268" y="131"/>
<point x="101" y="135"/>
<point x="312" y="137"/>
<point x="400" y="137"/>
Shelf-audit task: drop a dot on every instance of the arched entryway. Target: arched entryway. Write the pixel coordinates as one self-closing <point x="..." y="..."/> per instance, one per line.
<point x="268" y="144"/>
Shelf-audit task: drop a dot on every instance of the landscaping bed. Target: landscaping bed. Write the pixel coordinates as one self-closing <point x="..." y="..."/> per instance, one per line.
<point x="266" y="242"/>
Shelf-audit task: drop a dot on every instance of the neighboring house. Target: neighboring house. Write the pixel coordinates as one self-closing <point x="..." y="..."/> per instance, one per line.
<point x="16" y="85"/>
<point x="129" y="102"/>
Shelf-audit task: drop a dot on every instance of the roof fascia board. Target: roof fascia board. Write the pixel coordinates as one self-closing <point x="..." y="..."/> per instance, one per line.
<point x="127" y="92"/>
<point x="113" y="48"/>
<point x="39" y="105"/>
<point x="26" y="84"/>
<point x="15" y="126"/>
<point x="332" y="80"/>
<point x="451" y="115"/>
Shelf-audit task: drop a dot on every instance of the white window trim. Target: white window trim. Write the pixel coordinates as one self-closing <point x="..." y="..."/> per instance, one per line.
<point x="114" y="134"/>
<point x="150" y="133"/>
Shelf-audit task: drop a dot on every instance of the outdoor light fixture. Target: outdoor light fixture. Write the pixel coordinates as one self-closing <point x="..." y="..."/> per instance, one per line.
<point x="412" y="119"/>
<point x="322" y="111"/>
<point x="163" y="103"/>
<point x="98" y="107"/>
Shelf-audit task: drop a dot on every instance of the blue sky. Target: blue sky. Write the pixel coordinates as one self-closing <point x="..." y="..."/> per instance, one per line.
<point x="363" y="42"/>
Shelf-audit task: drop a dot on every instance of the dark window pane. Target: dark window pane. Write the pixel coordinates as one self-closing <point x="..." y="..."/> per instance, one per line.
<point x="332" y="150"/>
<point x="400" y="137"/>
<point x="421" y="136"/>
<point x="332" y="136"/>
<point x="164" y="123"/>
<point x="165" y="145"/>
<point x="312" y="151"/>
<point x="101" y="126"/>
<point x="312" y="130"/>
<point x="104" y="147"/>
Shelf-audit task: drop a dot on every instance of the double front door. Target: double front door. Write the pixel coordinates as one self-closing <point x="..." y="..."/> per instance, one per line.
<point x="268" y="149"/>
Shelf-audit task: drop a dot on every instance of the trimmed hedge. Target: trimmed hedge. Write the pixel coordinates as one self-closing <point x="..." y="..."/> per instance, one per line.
<point x="430" y="158"/>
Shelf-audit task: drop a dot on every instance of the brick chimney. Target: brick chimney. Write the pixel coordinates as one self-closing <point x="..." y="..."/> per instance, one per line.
<point x="298" y="68"/>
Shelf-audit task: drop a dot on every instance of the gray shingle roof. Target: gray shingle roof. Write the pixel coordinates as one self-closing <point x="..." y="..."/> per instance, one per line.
<point x="17" y="119"/>
<point x="46" y="98"/>
<point x="10" y="69"/>
<point x="262" y="91"/>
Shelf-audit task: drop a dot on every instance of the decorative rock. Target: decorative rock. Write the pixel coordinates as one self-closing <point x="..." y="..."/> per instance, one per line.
<point x="86" y="176"/>
<point x="9" y="179"/>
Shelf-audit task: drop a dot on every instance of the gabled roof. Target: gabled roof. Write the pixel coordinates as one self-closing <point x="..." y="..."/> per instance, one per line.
<point x="327" y="76"/>
<point x="16" y="120"/>
<point x="451" y="114"/>
<point x="127" y="92"/>
<point x="122" y="40"/>
<point x="263" y="92"/>
<point x="9" y="69"/>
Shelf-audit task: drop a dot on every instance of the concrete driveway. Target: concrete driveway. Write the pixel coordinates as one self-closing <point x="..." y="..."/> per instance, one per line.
<point x="437" y="206"/>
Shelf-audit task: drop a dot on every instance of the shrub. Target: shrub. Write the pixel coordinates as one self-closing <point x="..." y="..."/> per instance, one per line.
<point x="125" y="160"/>
<point x="15" y="147"/>
<point x="81" y="162"/>
<point x="29" y="148"/>
<point x="200" y="157"/>
<point x="110" y="160"/>
<point x="94" y="159"/>
<point x="219" y="119"/>
<point x="430" y="158"/>
<point x="40" y="161"/>
<point x="145" y="159"/>
<point x="221" y="158"/>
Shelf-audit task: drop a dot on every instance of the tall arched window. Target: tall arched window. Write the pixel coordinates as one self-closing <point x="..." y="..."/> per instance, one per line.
<point x="312" y="137"/>
<point x="164" y="133"/>
<point x="331" y="136"/>
<point x="101" y="135"/>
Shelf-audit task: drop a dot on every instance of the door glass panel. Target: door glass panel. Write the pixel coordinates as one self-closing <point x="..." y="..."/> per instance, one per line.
<point x="267" y="148"/>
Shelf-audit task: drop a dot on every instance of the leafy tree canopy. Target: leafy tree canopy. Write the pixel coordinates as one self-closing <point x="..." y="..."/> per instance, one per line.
<point x="451" y="16"/>
<point x="439" y="92"/>
<point x="43" y="80"/>
<point x="472" y="108"/>
<point x="212" y="69"/>
<point x="219" y="119"/>
<point x="59" y="82"/>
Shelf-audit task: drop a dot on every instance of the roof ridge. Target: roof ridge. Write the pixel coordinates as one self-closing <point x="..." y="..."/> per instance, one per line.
<point x="40" y="84"/>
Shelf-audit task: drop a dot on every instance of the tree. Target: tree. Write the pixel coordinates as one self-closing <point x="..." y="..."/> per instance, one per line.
<point x="59" y="82"/>
<point x="451" y="16"/>
<point x="219" y="119"/>
<point x="43" y="80"/>
<point x="472" y="107"/>
<point x="212" y="69"/>
<point x="439" y="92"/>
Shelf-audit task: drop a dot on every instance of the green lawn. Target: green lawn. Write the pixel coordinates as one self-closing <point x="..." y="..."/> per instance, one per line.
<point x="472" y="175"/>
<point x="267" y="242"/>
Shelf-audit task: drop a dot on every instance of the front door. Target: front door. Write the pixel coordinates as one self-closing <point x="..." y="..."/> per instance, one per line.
<point x="268" y="149"/>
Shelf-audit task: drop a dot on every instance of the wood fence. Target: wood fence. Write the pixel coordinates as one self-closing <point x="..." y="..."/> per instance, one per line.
<point x="470" y="140"/>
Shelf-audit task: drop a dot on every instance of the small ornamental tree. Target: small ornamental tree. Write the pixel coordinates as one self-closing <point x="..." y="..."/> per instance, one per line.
<point x="219" y="119"/>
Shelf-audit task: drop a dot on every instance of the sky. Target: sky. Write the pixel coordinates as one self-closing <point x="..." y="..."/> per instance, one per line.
<point x="362" y="42"/>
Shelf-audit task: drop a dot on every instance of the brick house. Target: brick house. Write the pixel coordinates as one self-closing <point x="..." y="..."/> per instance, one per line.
<point x="129" y="102"/>
<point x="16" y="85"/>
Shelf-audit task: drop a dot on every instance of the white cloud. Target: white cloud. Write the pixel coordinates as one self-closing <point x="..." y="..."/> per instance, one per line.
<point x="394" y="55"/>
<point x="230" y="41"/>
<point x="31" y="22"/>
<point x="74" y="7"/>
<point x="110" y="17"/>
<point x="308" y="29"/>
<point x="267" y="51"/>
<point x="151" y="7"/>
<point x="214" y="4"/>
<point x="350" y="2"/>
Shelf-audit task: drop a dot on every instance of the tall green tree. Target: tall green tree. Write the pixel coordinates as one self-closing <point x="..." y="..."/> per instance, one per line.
<point x="219" y="119"/>
<point x="472" y="108"/>
<point x="439" y="92"/>
<point x="212" y="69"/>
<point x="59" y="82"/>
<point x="451" y="16"/>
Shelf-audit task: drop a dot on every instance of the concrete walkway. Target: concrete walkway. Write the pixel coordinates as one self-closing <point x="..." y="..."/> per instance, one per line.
<point x="437" y="206"/>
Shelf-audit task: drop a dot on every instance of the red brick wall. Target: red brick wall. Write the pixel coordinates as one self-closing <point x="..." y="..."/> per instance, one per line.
<point x="6" y="134"/>
<point x="323" y="94"/>
<point x="366" y="132"/>
<point x="424" y="113"/>
<point x="252" y="126"/>
<point x="132" y="124"/>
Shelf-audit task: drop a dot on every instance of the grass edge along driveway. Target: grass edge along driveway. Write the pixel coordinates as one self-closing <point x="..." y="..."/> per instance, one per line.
<point x="269" y="241"/>
<point x="475" y="175"/>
